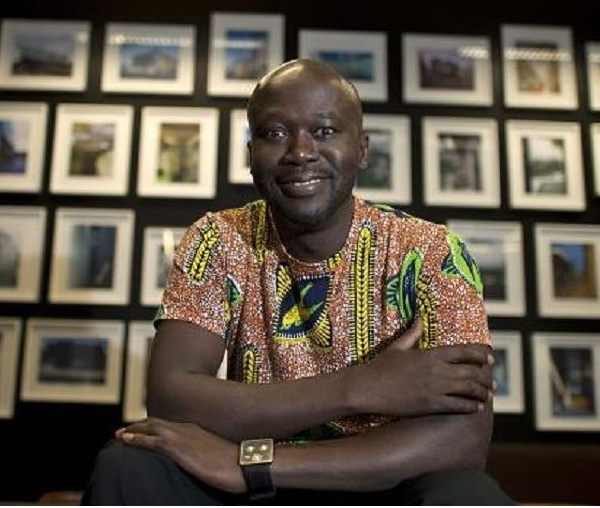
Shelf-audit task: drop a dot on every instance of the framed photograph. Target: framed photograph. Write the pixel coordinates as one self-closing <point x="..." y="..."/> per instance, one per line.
<point x="242" y="48"/>
<point x="388" y="177"/>
<point x="460" y="158"/>
<point x="539" y="67"/>
<point x="568" y="270"/>
<point x="361" y="57"/>
<point x="566" y="368"/>
<point x="73" y="360"/>
<point x="37" y="54"/>
<point x="22" y="142"/>
<point x="91" y="257"/>
<point x="149" y="58"/>
<point x="160" y="244"/>
<point x="595" y="141"/>
<point x="592" y="53"/>
<point x="447" y="69"/>
<point x="92" y="145"/>
<point x="545" y="169"/>
<point x="22" y="240"/>
<point x="508" y="372"/>
<point x="239" y="156"/>
<point x="139" y="343"/>
<point x="497" y="247"/>
<point x="178" y="152"/>
<point x="10" y="341"/>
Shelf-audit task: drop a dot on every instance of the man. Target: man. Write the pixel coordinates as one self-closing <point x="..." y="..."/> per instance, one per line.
<point x="318" y="298"/>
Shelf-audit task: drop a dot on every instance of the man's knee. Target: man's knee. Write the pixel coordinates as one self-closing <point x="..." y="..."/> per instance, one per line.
<point x="460" y="487"/>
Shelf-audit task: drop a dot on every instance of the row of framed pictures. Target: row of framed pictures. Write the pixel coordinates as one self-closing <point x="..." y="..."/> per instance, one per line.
<point x="538" y="61"/>
<point x="178" y="155"/>
<point x="92" y="251"/>
<point x="80" y="361"/>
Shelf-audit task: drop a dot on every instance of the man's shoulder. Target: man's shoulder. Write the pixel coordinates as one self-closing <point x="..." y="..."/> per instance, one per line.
<point x="399" y="218"/>
<point x="235" y="218"/>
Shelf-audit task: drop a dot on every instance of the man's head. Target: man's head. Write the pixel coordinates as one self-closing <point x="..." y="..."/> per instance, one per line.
<point x="307" y="142"/>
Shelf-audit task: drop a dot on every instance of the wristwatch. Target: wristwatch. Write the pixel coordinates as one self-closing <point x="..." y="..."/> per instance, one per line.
<point x="256" y="456"/>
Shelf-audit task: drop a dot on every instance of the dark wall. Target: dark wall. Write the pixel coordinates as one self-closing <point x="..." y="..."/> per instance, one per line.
<point x="52" y="446"/>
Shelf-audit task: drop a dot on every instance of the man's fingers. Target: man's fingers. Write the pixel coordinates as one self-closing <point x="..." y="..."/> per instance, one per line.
<point x="477" y="354"/>
<point x="410" y="337"/>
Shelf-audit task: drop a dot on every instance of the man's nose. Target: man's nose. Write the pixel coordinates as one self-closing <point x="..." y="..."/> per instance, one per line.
<point x="302" y="148"/>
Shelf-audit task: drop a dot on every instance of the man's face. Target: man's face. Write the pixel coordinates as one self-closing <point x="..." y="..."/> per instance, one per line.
<point x="306" y="149"/>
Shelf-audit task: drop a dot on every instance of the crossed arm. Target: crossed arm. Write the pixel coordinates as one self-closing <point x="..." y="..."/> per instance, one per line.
<point x="442" y="397"/>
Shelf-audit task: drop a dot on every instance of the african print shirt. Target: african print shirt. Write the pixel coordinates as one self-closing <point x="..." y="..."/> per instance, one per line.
<point x="285" y="319"/>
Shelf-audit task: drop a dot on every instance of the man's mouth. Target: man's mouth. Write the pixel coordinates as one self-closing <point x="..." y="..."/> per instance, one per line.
<point x="302" y="188"/>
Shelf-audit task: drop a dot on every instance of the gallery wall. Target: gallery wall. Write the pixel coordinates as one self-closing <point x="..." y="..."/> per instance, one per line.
<point x="49" y="437"/>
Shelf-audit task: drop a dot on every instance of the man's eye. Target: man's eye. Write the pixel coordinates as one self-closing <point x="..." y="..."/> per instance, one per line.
<point x="325" y="132"/>
<point x="274" y="134"/>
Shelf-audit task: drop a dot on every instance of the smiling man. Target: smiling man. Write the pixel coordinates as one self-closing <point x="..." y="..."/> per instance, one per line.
<point x="359" y="358"/>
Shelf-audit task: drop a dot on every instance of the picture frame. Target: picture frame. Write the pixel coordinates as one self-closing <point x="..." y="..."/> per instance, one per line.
<point x="73" y="360"/>
<point x="40" y="54"/>
<point x="149" y="58"/>
<point x="568" y="269"/>
<point x="23" y="129"/>
<point x="509" y="396"/>
<point x="91" y="256"/>
<point x="566" y="369"/>
<point x="545" y="168"/>
<point x="22" y="248"/>
<point x="539" y="67"/>
<point x="139" y="342"/>
<point x="239" y="155"/>
<point x="447" y="69"/>
<point x="242" y="48"/>
<point x="160" y="244"/>
<point x="497" y="247"/>
<point x="178" y="152"/>
<point x="360" y="56"/>
<point x="592" y="55"/>
<point x="10" y="343"/>
<point x="388" y="177"/>
<point x="92" y="149"/>
<point x="595" y="142"/>
<point x="461" y="162"/>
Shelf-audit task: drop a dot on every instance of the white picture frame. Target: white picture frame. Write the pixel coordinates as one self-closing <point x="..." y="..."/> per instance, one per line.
<point x="149" y="58"/>
<point x="239" y="155"/>
<point x="92" y="149"/>
<point x="160" y="244"/>
<point x="592" y="55"/>
<point x="460" y="162"/>
<point x="40" y="54"/>
<point x="73" y="360"/>
<point x="360" y="56"/>
<point x="10" y="343"/>
<point x="447" y="69"/>
<point x="539" y="67"/>
<point x="178" y="152"/>
<point x="23" y="129"/>
<point x="139" y="343"/>
<point x="92" y="256"/>
<point x="509" y="396"/>
<point x="497" y="247"/>
<point x="545" y="168"/>
<point x="22" y="248"/>
<point x="242" y="48"/>
<point x="568" y="270"/>
<point x="566" y="371"/>
<point x="388" y="177"/>
<point x="595" y="142"/>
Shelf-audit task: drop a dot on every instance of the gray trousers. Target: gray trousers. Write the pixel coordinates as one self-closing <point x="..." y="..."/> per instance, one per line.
<point x="125" y="475"/>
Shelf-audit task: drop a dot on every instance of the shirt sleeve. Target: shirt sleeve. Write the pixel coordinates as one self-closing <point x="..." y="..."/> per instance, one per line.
<point x="196" y="289"/>
<point x="450" y="294"/>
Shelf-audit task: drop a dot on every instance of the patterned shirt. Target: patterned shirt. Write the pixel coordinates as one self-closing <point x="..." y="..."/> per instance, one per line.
<point x="284" y="319"/>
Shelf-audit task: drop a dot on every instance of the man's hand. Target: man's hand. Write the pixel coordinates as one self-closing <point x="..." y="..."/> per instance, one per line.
<point x="404" y="381"/>
<point x="206" y="456"/>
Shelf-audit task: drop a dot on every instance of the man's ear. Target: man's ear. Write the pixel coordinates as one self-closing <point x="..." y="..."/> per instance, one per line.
<point x="363" y="162"/>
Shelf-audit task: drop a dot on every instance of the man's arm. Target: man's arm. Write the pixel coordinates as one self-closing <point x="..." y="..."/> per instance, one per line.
<point x="399" y="382"/>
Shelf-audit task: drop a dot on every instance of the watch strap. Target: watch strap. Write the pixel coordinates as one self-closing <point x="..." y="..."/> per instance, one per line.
<point x="258" y="481"/>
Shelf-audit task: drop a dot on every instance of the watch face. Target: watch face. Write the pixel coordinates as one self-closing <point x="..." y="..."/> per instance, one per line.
<point x="256" y="451"/>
